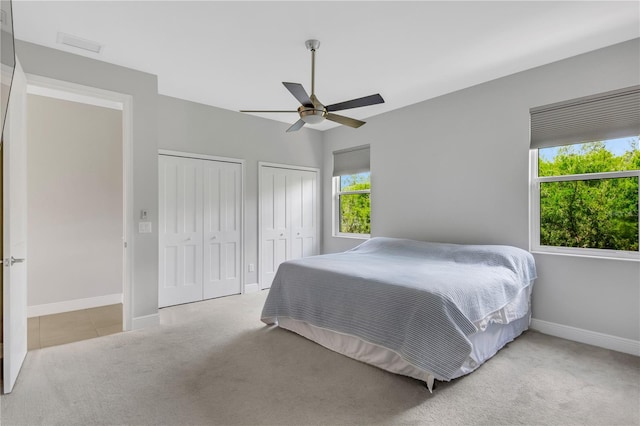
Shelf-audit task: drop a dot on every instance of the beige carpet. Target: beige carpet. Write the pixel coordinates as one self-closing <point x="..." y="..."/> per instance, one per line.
<point x="214" y="362"/>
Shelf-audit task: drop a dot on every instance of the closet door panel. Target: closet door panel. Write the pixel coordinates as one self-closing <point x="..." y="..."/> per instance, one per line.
<point x="180" y="229"/>
<point x="309" y="228"/>
<point x="222" y="217"/>
<point x="303" y="213"/>
<point x="274" y="184"/>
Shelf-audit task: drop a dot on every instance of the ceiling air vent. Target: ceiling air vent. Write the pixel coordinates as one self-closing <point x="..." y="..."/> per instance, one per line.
<point x="79" y="43"/>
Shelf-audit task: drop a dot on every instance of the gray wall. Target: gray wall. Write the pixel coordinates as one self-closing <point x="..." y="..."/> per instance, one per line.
<point x="201" y="129"/>
<point x="455" y="169"/>
<point x="143" y="88"/>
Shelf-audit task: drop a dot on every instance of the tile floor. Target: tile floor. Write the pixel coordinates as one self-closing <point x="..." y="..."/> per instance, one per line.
<point x="67" y="327"/>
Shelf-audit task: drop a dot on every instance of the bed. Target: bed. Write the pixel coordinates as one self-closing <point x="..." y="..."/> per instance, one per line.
<point x="431" y="311"/>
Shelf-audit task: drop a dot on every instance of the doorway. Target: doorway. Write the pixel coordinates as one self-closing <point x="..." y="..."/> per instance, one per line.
<point x="14" y="303"/>
<point x="79" y="156"/>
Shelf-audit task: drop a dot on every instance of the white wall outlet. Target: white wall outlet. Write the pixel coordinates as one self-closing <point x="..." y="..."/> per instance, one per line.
<point x="252" y="267"/>
<point x="144" y="227"/>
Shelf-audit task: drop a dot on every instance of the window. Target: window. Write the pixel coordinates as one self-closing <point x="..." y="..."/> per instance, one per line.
<point x="352" y="193"/>
<point x="585" y="196"/>
<point x="354" y="203"/>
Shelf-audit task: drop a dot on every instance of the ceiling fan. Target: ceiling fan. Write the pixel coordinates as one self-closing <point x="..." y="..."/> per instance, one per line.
<point x="312" y="111"/>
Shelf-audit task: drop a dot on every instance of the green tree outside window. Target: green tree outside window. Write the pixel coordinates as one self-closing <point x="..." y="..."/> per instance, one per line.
<point x="355" y="203"/>
<point x="597" y="213"/>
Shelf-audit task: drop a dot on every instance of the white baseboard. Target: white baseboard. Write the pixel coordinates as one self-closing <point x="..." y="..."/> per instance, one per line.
<point x="251" y="288"/>
<point x="145" y="321"/>
<point x="73" y="305"/>
<point x="594" y="338"/>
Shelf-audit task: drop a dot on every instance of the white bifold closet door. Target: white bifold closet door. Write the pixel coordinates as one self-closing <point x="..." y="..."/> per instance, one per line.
<point x="200" y="229"/>
<point x="288" y="218"/>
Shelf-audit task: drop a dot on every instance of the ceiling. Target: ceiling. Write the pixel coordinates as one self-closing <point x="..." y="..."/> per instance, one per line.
<point x="234" y="55"/>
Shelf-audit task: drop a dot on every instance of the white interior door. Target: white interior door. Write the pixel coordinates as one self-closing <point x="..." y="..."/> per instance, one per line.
<point x="180" y="229"/>
<point x="274" y="222"/>
<point x="14" y="223"/>
<point x="222" y="225"/>
<point x="303" y="195"/>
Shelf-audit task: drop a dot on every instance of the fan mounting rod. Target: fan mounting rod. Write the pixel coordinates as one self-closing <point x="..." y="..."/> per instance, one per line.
<point x="313" y="45"/>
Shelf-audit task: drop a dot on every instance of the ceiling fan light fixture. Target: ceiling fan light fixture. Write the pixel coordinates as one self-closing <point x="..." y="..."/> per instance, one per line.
<point x="312" y="115"/>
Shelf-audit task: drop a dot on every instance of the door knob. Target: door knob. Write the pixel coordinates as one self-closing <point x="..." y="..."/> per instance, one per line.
<point x="14" y="260"/>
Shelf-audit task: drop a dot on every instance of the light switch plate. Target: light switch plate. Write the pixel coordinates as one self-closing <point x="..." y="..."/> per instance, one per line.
<point x="144" y="227"/>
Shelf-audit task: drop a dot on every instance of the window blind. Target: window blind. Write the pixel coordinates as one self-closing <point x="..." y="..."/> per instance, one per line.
<point x="351" y="161"/>
<point x="610" y="115"/>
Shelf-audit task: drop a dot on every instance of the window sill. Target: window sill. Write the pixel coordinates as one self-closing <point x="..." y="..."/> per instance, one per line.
<point x="625" y="256"/>
<point x="353" y="236"/>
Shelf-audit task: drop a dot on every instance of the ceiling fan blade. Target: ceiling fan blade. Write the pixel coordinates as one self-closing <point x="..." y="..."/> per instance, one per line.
<point x="296" y="126"/>
<point x="257" y="110"/>
<point x="357" y="103"/>
<point x="299" y="93"/>
<point x="351" y="122"/>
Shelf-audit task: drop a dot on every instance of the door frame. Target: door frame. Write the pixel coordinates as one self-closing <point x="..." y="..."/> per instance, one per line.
<point x="182" y="154"/>
<point x="60" y="89"/>
<point x="261" y="165"/>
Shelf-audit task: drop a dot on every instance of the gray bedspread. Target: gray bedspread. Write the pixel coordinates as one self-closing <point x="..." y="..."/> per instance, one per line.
<point x="418" y="299"/>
